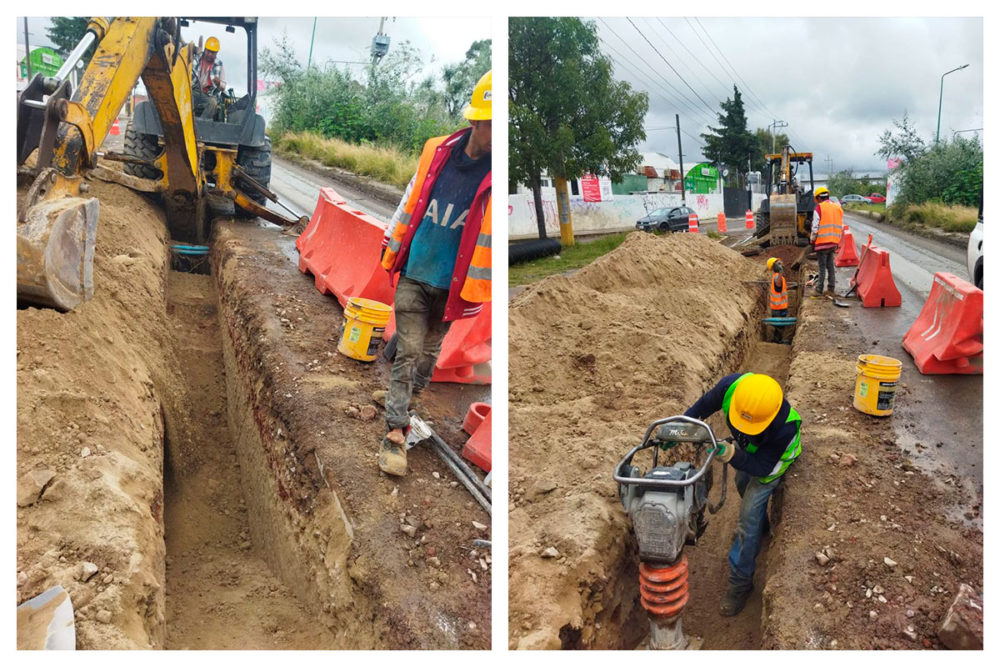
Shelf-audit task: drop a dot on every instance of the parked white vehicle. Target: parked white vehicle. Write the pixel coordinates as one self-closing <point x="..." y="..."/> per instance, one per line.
<point x="975" y="254"/>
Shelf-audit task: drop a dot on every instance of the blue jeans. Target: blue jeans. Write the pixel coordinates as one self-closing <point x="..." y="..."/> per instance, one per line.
<point x="750" y="529"/>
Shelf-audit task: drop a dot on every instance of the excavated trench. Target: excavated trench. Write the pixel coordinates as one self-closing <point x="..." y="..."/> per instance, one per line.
<point x="606" y="613"/>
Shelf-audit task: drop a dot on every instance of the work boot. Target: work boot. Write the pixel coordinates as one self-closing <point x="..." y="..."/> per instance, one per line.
<point x="392" y="458"/>
<point x="818" y="291"/>
<point x="735" y="599"/>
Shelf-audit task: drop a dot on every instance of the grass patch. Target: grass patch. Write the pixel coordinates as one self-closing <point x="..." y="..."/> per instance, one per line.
<point x="960" y="219"/>
<point x="570" y="258"/>
<point x="386" y="164"/>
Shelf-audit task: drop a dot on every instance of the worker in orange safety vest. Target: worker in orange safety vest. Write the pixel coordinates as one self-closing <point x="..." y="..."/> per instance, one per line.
<point x="438" y="245"/>
<point x="777" y="294"/>
<point x="827" y="228"/>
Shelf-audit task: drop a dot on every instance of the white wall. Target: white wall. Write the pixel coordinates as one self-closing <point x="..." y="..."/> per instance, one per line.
<point x="616" y="215"/>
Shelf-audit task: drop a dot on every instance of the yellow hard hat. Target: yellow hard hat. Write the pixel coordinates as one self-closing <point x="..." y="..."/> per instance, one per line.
<point x="819" y="192"/>
<point x="212" y="44"/>
<point x="481" y="105"/>
<point x="755" y="403"/>
<point x="771" y="262"/>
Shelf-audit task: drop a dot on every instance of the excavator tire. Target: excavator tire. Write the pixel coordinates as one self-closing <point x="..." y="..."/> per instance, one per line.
<point x="144" y="146"/>
<point x="257" y="163"/>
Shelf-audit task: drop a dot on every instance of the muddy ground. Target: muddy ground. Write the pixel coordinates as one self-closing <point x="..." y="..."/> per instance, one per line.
<point x="582" y="397"/>
<point x="201" y="447"/>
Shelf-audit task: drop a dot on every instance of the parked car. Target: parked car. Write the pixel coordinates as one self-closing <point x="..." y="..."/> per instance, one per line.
<point x="975" y="253"/>
<point x="855" y="199"/>
<point x="673" y="219"/>
<point x="877" y="198"/>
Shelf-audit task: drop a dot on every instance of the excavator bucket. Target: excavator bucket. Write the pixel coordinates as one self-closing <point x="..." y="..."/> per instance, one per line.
<point x="783" y="219"/>
<point x="55" y="252"/>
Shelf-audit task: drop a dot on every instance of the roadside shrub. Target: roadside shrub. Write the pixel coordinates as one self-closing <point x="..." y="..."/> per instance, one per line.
<point x="386" y="164"/>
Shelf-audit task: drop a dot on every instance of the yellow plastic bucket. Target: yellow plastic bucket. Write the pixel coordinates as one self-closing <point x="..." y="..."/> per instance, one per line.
<point x="875" y="390"/>
<point x="364" y="323"/>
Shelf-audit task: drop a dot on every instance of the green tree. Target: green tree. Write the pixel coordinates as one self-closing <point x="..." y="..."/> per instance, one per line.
<point x="950" y="172"/>
<point x="904" y="142"/>
<point x="731" y="143"/>
<point x="568" y="115"/>
<point x="765" y="141"/>
<point x="461" y="78"/>
<point x="66" y="32"/>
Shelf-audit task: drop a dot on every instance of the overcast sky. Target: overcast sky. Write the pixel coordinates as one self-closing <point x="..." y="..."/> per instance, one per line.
<point x="838" y="83"/>
<point x="441" y="41"/>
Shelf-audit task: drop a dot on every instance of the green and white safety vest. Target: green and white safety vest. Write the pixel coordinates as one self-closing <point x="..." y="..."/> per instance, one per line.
<point x="791" y="452"/>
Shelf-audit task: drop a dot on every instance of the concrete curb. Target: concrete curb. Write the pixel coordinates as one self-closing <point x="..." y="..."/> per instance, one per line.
<point x="388" y="194"/>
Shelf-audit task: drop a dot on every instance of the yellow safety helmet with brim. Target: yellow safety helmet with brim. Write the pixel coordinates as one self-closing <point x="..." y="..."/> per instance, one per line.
<point x="212" y="44"/>
<point x="820" y="191"/>
<point x="771" y="262"/>
<point x="481" y="105"/>
<point x="756" y="401"/>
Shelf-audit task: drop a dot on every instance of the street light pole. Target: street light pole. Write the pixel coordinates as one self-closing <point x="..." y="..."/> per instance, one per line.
<point x="937" y="136"/>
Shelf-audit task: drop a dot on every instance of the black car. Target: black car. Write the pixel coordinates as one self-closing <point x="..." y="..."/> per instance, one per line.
<point x="674" y="219"/>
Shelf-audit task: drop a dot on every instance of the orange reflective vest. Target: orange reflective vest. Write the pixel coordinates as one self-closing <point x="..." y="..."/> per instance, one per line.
<point x="779" y="297"/>
<point x="471" y="279"/>
<point x="831" y="225"/>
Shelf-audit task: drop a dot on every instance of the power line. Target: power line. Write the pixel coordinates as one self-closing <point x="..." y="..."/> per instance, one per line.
<point x="750" y="90"/>
<point x="694" y="56"/>
<point x="687" y="103"/>
<point x="707" y="106"/>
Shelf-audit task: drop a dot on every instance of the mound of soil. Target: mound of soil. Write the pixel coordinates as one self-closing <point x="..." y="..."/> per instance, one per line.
<point x="637" y="335"/>
<point x="91" y="387"/>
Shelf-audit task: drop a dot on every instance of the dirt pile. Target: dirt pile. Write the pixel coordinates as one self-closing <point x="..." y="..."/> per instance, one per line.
<point x="637" y="335"/>
<point x="866" y="556"/>
<point x="92" y="385"/>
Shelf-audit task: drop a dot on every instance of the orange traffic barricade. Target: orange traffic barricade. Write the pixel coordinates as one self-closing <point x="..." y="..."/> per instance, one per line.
<point x="722" y="222"/>
<point x="873" y="279"/>
<point x="847" y="251"/>
<point x="749" y="219"/>
<point x="947" y="336"/>
<point x="693" y="224"/>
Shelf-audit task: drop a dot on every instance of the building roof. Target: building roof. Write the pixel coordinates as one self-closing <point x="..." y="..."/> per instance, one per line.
<point x="657" y="161"/>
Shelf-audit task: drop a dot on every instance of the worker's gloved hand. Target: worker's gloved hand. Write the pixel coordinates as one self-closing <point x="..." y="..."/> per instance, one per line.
<point x="724" y="450"/>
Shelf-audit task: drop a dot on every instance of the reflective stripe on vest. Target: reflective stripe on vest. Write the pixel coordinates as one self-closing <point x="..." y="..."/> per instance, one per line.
<point x="478" y="280"/>
<point x="793" y="449"/>
<point x="831" y="224"/>
<point x="779" y="299"/>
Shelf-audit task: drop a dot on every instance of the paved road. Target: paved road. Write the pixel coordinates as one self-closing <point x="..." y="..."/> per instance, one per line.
<point x="298" y="189"/>
<point x="933" y="409"/>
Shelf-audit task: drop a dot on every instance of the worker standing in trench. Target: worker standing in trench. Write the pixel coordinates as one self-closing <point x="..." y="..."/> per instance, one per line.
<point x="778" y="294"/>
<point x="767" y="433"/>
<point x="443" y="259"/>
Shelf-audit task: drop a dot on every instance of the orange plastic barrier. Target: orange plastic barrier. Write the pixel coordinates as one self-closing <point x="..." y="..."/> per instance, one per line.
<point x="465" y="351"/>
<point x="722" y="222"/>
<point x="341" y="248"/>
<point x="749" y="219"/>
<point x="474" y="416"/>
<point x="115" y="129"/>
<point x="847" y="251"/>
<point x="479" y="447"/>
<point x="693" y="224"/>
<point x="947" y="336"/>
<point x="876" y="288"/>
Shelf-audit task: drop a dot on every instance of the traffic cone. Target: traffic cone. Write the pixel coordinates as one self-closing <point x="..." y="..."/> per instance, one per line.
<point x="722" y="222"/>
<point x="749" y="219"/>
<point x="115" y="129"/>
<point x="693" y="224"/>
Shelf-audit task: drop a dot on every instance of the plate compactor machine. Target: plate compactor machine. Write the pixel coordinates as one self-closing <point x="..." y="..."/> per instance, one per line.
<point x="666" y="506"/>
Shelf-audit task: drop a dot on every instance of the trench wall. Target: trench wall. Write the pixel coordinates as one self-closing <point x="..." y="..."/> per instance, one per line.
<point x="296" y="519"/>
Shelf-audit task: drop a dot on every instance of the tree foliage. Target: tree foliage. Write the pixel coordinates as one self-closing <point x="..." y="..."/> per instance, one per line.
<point x="66" y="32"/>
<point x="731" y="144"/>
<point x="387" y="104"/>
<point x="950" y="172"/>
<point x="461" y="78"/>
<point x="844" y="182"/>
<point x="766" y="143"/>
<point x="568" y="114"/>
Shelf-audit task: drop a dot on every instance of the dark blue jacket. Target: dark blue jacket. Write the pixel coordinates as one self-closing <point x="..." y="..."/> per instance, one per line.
<point x="771" y="442"/>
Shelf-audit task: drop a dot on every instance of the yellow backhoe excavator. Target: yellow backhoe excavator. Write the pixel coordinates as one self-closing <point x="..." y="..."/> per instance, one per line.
<point x="57" y="221"/>
<point x="785" y="216"/>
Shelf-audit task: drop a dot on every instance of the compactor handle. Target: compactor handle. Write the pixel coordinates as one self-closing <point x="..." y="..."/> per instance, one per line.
<point x="647" y="443"/>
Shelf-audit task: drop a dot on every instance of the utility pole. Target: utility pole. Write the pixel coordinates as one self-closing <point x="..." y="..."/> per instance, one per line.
<point x="27" y="50"/>
<point x="680" y="156"/>
<point x="775" y="125"/>
<point x="829" y="168"/>
<point x="311" y="41"/>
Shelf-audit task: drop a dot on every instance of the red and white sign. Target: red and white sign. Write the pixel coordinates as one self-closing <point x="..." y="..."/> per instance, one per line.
<point x="590" y="188"/>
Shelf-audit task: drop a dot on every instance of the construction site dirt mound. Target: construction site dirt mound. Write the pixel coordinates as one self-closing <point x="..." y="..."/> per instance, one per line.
<point x="637" y="335"/>
<point x="90" y="387"/>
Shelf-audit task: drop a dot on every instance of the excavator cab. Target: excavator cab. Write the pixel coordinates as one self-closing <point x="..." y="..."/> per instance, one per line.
<point x="236" y="126"/>
<point x="785" y="216"/>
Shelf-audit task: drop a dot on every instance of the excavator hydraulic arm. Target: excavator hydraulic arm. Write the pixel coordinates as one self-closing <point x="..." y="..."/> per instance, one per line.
<point x="57" y="222"/>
